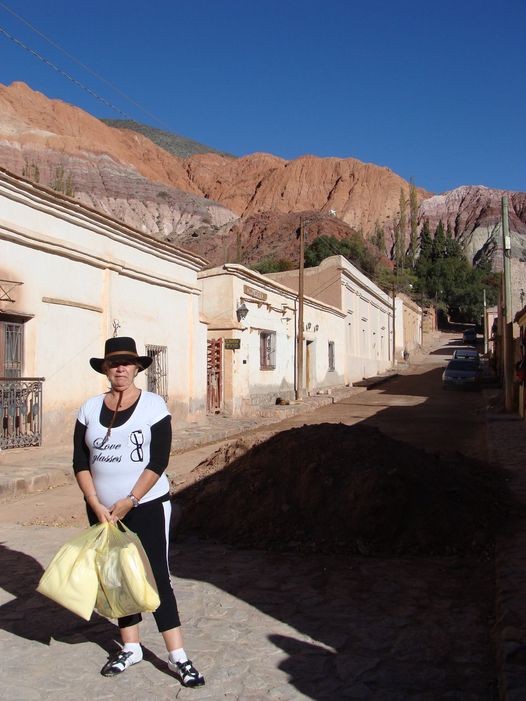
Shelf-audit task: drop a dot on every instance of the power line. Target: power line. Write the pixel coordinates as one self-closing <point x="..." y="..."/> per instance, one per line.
<point x="78" y="62"/>
<point x="63" y="73"/>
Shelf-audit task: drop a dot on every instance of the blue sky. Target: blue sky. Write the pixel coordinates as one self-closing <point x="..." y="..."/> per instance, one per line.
<point x="433" y="90"/>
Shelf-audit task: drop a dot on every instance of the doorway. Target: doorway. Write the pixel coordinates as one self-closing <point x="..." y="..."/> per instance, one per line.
<point x="214" y="375"/>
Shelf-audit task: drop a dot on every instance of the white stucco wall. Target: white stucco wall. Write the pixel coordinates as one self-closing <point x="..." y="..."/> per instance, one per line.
<point x="369" y="311"/>
<point x="412" y="323"/>
<point x="399" y="329"/>
<point x="82" y="272"/>
<point x="271" y="308"/>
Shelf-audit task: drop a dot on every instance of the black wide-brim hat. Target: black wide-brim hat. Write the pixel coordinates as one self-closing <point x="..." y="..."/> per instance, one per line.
<point x="121" y="348"/>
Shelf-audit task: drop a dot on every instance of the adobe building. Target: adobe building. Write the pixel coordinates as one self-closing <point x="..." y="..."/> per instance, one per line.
<point x="507" y="338"/>
<point x="520" y="365"/>
<point x="70" y="277"/>
<point x="374" y="325"/>
<point x="412" y="323"/>
<point x="252" y="338"/>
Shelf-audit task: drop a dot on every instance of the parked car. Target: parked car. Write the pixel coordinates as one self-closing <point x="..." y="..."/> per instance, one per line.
<point x="469" y="336"/>
<point x="469" y="354"/>
<point x="463" y="374"/>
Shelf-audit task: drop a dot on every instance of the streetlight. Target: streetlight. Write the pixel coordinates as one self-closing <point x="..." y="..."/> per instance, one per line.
<point x="241" y="311"/>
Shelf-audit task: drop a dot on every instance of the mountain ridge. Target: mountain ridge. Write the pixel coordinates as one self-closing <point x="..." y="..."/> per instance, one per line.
<point x="212" y="202"/>
<point x="177" y="145"/>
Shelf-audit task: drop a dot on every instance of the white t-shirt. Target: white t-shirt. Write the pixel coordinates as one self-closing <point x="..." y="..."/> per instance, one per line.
<point x="116" y="465"/>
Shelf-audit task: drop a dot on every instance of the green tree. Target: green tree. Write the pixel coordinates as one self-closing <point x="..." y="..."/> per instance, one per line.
<point x="353" y="248"/>
<point x="31" y="171"/>
<point x="398" y="280"/>
<point x="438" y="247"/>
<point x="452" y="246"/>
<point x="378" y="238"/>
<point x="271" y="265"/>
<point x="399" y="232"/>
<point x="426" y="242"/>
<point x="413" y="221"/>
<point x="446" y="277"/>
<point x="63" y="182"/>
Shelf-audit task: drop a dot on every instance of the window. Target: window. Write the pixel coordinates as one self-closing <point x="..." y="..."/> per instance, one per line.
<point x="11" y="349"/>
<point x="331" y="356"/>
<point x="267" y="350"/>
<point x="157" y="373"/>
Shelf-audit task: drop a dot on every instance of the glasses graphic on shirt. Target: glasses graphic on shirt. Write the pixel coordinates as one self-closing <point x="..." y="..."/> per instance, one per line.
<point x="137" y="439"/>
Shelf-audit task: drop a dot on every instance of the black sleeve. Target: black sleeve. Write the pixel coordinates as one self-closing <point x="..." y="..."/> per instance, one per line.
<point x="160" y="445"/>
<point x="80" y="449"/>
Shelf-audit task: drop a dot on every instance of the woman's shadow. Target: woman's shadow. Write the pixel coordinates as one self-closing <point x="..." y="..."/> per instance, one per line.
<point x="32" y="616"/>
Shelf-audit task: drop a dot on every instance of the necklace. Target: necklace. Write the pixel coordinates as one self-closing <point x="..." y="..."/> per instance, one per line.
<point x="108" y="432"/>
<point x="123" y="401"/>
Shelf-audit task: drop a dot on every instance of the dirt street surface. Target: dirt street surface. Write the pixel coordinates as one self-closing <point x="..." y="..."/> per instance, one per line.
<point x="326" y="557"/>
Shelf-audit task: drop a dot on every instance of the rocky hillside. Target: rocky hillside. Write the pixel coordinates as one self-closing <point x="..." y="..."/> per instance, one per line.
<point x="268" y="235"/>
<point x="222" y="207"/>
<point x="361" y="194"/>
<point x="117" y="171"/>
<point x="473" y="215"/>
<point x="180" y="146"/>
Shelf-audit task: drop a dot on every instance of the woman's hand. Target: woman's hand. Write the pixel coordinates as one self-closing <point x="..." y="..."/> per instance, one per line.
<point x="119" y="510"/>
<point x="101" y="512"/>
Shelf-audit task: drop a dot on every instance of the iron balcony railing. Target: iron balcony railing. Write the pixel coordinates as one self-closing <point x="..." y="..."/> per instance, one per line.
<point x="21" y="411"/>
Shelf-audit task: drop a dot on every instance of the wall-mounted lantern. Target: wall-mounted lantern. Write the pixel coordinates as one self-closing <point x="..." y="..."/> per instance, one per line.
<point x="241" y="311"/>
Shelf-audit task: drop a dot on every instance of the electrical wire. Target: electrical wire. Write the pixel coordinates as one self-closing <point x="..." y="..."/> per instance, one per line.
<point x="79" y="63"/>
<point x="62" y="72"/>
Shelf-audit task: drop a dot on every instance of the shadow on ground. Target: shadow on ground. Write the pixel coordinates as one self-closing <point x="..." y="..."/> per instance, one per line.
<point x="32" y="616"/>
<point x="355" y="627"/>
<point x="382" y="627"/>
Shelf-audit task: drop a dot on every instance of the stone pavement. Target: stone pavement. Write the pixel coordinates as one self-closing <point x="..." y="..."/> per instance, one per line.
<point x="260" y="626"/>
<point x="277" y="626"/>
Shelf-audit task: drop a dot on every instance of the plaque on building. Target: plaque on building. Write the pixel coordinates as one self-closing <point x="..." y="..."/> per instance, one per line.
<point x="257" y="294"/>
<point x="232" y="343"/>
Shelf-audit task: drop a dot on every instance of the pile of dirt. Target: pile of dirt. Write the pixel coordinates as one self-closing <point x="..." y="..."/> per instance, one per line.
<point x="334" y="488"/>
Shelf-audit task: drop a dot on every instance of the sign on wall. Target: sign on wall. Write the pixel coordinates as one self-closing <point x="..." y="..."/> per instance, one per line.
<point x="232" y="343"/>
<point x="254" y="293"/>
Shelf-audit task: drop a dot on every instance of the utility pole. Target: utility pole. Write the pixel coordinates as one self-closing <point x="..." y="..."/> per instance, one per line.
<point x="394" y="324"/>
<point x="395" y="290"/>
<point x="485" y="322"/>
<point x="507" y="326"/>
<point x="299" y="337"/>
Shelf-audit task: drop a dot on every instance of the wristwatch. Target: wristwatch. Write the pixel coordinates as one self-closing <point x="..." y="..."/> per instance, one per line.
<point x="134" y="500"/>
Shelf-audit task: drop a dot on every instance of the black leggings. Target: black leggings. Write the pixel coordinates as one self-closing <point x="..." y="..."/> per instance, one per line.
<point x="149" y="521"/>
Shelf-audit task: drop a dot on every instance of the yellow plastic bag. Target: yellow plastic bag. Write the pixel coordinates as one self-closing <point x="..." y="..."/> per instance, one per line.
<point x="71" y="578"/>
<point x="126" y="582"/>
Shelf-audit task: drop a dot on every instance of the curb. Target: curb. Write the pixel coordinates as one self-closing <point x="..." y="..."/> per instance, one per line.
<point x="26" y="471"/>
<point x="372" y="382"/>
<point x="506" y="438"/>
<point x="55" y="467"/>
<point x="34" y="483"/>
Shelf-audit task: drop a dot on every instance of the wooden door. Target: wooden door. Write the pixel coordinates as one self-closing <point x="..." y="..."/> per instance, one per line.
<point x="214" y="375"/>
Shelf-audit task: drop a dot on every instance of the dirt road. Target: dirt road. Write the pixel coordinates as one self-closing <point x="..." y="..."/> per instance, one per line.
<point x="413" y="408"/>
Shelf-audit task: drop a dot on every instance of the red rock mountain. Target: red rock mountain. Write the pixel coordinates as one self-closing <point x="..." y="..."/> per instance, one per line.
<point x="217" y="205"/>
<point x="117" y="171"/>
<point x="473" y="214"/>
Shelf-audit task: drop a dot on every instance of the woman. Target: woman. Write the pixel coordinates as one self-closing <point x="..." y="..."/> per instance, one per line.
<point x="121" y="449"/>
